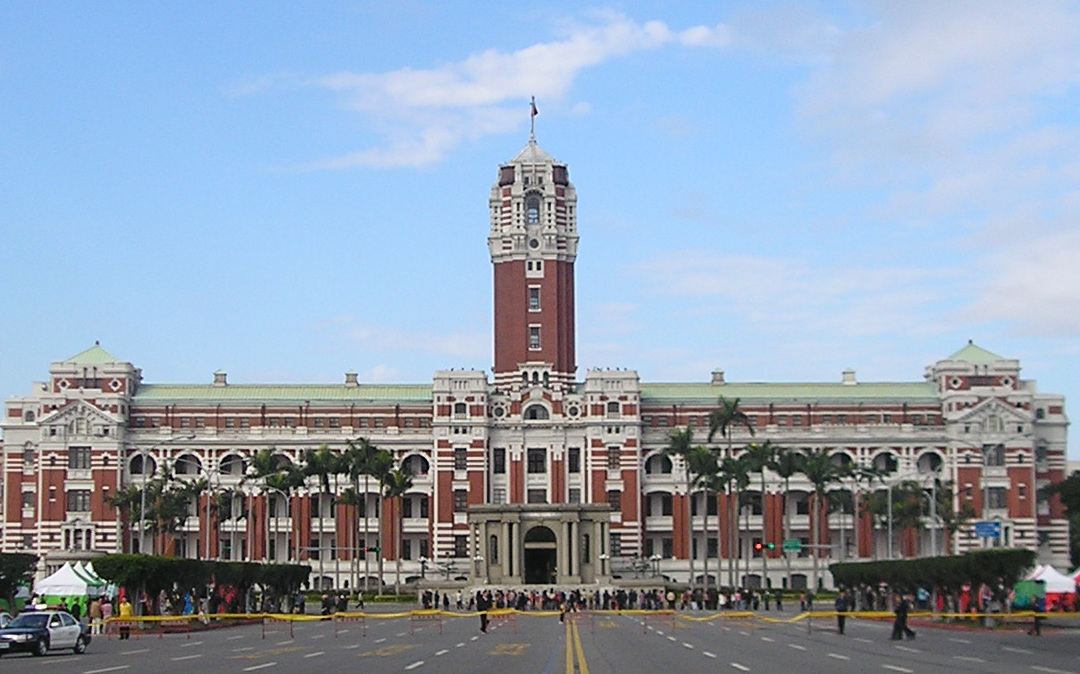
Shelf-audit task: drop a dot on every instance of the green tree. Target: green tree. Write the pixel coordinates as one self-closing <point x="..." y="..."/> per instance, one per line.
<point x="821" y="471"/>
<point x="322" y="464"/>
<point x="16" y="572"/>
<point x="787" y="464"/>
<point x="761" y="457"/>
<point x="1068" y="491"/>
<point x="397" y="483"/>
<point x="681" y="445"/>
<point x="735" y="476"/>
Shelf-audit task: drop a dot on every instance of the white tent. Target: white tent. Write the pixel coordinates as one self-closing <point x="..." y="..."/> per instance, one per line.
<point x="1056" y="582"/>
<point x="64" y="583"/>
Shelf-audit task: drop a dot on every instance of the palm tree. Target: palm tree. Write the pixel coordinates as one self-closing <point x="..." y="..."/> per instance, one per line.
<point x="735" y="476"/>
<point x="321" y="463"/>
<point x="787" y="463"/>
<point x="365" y="460"/>
<point x="681" y="444"/>
<point x="724" y="420"/>
<point x="821" y="471"/>
<point x="128" y="501"/>
<point x="759" y="458"/>
<point x="863" y="474"/>
<point x="397" y="484"/>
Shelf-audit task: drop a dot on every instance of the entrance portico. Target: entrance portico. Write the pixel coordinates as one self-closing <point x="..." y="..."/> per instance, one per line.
<point x="562" y="544"/>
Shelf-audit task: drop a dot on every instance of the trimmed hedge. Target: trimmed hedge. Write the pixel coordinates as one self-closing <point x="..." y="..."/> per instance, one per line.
<point x="1004" y="566"/>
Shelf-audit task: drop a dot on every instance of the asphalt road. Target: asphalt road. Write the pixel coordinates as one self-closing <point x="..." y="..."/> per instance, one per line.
<point x="601" y="644"/>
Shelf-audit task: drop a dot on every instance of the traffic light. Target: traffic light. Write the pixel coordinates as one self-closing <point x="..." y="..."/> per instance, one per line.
<point x="374" y="549"/>
<point x="757" y="547"/>
<point x="770" y="546"/>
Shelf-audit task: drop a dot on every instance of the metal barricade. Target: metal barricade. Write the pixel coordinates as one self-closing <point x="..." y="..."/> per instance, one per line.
<point x="271" y="624"/>
<point x="343" y="622"/>
<point x="420" y="619"/>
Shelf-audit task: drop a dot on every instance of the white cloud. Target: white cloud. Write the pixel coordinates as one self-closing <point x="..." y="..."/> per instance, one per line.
<point x="424" y="113"/>
<point x="1035" y="287"/>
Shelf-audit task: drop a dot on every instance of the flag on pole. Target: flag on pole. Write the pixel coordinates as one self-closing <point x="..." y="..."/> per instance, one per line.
<point x="533" y="112"/>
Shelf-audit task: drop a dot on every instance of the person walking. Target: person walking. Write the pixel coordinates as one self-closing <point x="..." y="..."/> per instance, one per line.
<point x="841" y="605"/>
<point x="483" y="605"/>
<point x="900" y="628"/>
<point x="93" y="615"/>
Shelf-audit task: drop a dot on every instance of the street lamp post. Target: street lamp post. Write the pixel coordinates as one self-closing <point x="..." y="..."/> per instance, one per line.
<point x="142" y="495"/>
<point x="266" y="542"/>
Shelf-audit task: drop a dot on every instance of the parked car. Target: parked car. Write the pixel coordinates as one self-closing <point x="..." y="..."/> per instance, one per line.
<point x="41" y="631"/>
<point x="5" y="618"/>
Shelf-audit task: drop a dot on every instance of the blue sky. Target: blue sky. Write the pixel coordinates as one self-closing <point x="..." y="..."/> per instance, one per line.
<point x="286" y="191"/>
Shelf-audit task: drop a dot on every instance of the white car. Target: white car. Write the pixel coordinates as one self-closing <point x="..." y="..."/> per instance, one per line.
<point x="41" y="631"/>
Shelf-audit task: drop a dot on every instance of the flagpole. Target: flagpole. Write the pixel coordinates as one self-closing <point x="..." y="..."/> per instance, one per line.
<point x="532" y="118"/>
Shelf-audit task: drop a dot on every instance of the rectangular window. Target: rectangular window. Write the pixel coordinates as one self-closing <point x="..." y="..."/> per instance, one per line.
<point x="461" y="461"/>
<point x="997" y="497"/>
<point x="498" y="495"/>
<point x="79" y="458"/>
<point x="668" y="547"/>
<point x="615" y="545"/>
<point x="614" y="499"/>
<point x="574" y="495"/>
<point x="28" y="499"/>
<point x="537" y="496"/>
<point x="406" y="549"/>
<point x="573" y="460"/>
<point x="534" y="337"/>
<point x="665" y="505"/>
<point x="499" y="461"/>
<point x="534" y="298"/>
<point x="537" y="460"/>
<point x="406" y="507"/>
<point x="461" y="546"/>
<point x="423" y="506"/>
<point x="461" y="500"/>
<point x="613" y="457"/>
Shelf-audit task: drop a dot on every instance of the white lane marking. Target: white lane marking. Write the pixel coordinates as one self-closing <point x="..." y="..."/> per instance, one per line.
<point x="193" y="643"/>
<point x="442" y="652"/>
<point x="708" y="654"/>
<point x="672" y="639"/>
<point x="459" y="645"/>
<point x="659" y="632"/>
<point x="186" y="657"/>
<point x="864" y="640"/>
<point x="139" y="650"/>
<point x="317" y="636"/>
<point x="379" y="641"/>
<point x="968" y="658"/>
<point x="960" y="641"/>
<point x="284" y="643"/>
<point x="1023" y="651"/>
<point x="769" y="639"/>
<point x="107" y="669"/>
<point x="401" y="634"/>
<point x="245" y="648"/>
<point x="315" y="654"/>
<point x="234" y="637"/>
<point x="351" y="647"/>
<point x="414" y="665"/>
<point x="798" y="647"/>
<point x="838" y="656"/>
<point x="262" y="666"/>
<point x="686" y="645"/>
<point x="908" y="649"/>
<point x="741" y="668"/>
<point x="1049" y="670"/>
<point x="744" y="633"/>
<point x="474" y="638"/>
<point x="894" y="668"/>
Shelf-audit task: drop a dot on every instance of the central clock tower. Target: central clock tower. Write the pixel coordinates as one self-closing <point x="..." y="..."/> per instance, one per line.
<point x="533" y="244"/>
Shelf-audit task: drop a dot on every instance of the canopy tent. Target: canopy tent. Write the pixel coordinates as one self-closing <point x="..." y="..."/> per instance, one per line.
<point x="1056" y="582"/>
<point x="64" y="583"/>
<point x="94" y="585"/>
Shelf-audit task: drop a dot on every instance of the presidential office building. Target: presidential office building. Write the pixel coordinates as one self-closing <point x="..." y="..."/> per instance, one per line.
<point x="533" y="473"/>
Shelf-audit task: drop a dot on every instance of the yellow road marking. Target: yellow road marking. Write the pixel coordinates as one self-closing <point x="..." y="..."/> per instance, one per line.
<point x="582" y="667"/>
<point x="387" y="651"/>
<point x="508" y="649"/>
<point x="265" y="654"/>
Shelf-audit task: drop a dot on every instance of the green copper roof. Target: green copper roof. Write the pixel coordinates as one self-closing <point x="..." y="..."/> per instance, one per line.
<point x="808" y="392"/>
<point x="95" y="355"/>
<point x="149" y="394"/>
<point x="975" y="354"/>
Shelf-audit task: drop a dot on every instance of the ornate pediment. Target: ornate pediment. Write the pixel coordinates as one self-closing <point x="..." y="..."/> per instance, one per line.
<point x="994" y="415"/>
<point x="80" y="418"/>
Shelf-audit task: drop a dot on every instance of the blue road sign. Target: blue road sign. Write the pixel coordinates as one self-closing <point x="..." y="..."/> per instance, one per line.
<point x="988" y="529"/>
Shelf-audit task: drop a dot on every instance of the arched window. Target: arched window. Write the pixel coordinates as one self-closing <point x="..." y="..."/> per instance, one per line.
<point x="536" y="413"/>
<point x="532" y="209"/>
<point x="658" y="464"/>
